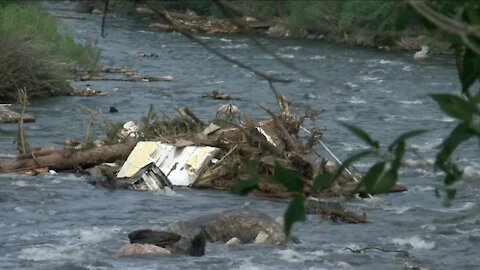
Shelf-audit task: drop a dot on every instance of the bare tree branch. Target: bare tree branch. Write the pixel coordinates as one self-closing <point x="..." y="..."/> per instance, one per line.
<point x="447" y="24"/>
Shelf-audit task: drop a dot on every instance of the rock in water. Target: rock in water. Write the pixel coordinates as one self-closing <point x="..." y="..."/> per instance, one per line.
<point x="421" y="54"/>
<point x="157" y="238"/>
<point x="190" y="237"/>
<point x="197" y="246"/>
<point x="129" y="250"/>
<point x="244" y="224"/>
<point x="234" y="243"/>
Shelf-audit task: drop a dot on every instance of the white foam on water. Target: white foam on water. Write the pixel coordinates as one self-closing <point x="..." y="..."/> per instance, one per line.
<point x="414" y="241"/>
<point x="19" y="209"/>
<point x="90" y="234"/>
<point x="465" y="207"/>
<point x="291" y="255"/>
<point x="473" y="232"/>
<point x="237" y="46"/>
<point x="346" y="118"/>
<point x="19" y="183"/>
<point x="430" y="227"/>
<point x="384" y="62"/>
<point x="399" y="210"/>
<point x="351" y="84"/>
<point x="418" y="163"/>
<point x="411" y="102"/>
<point x="343" y="265"/>
<point x="263" y="57"/>
<point x="471" y="172"/>
<point x="407" y="68"/>
<point x="355" y="100"/>
<point x="48" y="252"/>
<point x="248" y="265"/>
<point x="225" y="40"/>
<point x="422" y="188"/>
<point x="303" y="80"/>
<point x="446" y="119"/>
<point x="318" y="57"/>
<point x="319" y="253"/>
<point x="288" y="56"/>
<point x="295" y="48"/>
<point x="368" y="78"/>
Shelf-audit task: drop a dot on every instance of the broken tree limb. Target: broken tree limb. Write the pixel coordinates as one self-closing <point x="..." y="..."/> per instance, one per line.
<point x="131" y="79"/>
<point x="287" y="137"/>
<point x="185" y="111"/>
<point x="334" y="211"/>
<point x="65" y="161"/>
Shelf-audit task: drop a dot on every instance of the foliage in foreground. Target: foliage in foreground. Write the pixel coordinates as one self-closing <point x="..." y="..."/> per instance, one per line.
<point x="36" y="54"/>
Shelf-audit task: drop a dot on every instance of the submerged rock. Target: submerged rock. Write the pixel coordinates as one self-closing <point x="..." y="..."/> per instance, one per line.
<point x="234" y="243"/>
<point x="130" y="250"/>
<point x="233" y="227"/>
<point x="244" y="224"/>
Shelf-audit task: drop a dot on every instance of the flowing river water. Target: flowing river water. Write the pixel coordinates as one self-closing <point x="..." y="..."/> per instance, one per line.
<point x="61" y="222"/>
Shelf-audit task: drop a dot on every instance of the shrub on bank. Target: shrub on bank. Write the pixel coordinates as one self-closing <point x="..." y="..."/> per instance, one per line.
<point x="36" y="54"/>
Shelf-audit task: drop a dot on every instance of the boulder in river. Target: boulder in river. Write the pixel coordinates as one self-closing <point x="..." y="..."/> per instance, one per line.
<point x="191" y="236"/>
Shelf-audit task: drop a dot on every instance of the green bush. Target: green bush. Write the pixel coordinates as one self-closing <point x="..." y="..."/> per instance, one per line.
<point x="35" y="53"/>
<point x="372" y="15"/>
<point x="320" y="16"/>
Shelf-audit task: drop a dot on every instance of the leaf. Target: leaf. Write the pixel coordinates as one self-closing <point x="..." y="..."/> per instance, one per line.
<point x="451" y="194"/>
<point x="322" y="181"/>
<point x="405" y="136"/>
<point x="362" y="135"/>
<point x="350" y="160"/>
<point x="287" y="178"/>
<point x="399" y="153"/>
<point x="453" y="173"/>
<point x="404" y="16"/>
<point x="359" y="155"/>
<point x="295" y="212"/>
<point x="250" y="166"/>
<point x="458" y="135"/>
<point x="455" y="106"/>
<point x="386" y="182"/>
<point x="470" y="70"/>
<point x="371" y="177"/>
<point x="454" y="40"/>
<point x="473" y="14"/>
<point x="244" y="187"/>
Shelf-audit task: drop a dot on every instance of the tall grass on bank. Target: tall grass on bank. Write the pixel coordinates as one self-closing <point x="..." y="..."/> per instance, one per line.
<point x="36" y="54"/>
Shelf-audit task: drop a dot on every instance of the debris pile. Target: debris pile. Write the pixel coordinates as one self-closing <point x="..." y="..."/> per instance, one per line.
<point x="193" y="23"/>
<point x="185" y="151"/>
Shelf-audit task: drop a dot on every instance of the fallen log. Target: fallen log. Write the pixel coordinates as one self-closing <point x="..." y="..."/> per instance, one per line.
<point x="132" y="79"/>
<point x="69" y="16"/>
<point x="68" y="160"/>
<point x="334" y="212"/>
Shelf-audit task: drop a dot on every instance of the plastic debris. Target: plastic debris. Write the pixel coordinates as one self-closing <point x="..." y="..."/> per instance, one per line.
<point x="210" y="129"/>
<point x="181" y="166"/>
<point x="129" y="129"/>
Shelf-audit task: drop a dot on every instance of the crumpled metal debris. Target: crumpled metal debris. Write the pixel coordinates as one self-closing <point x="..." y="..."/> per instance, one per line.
<point x="150" y="177"/>
<point x="182" y="165"/>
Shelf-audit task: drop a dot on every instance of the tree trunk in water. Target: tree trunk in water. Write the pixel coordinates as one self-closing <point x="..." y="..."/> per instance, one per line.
<point x="65" y="161"/>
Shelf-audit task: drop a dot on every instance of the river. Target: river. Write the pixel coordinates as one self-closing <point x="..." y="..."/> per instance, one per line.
<point x="61" y="222"/>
